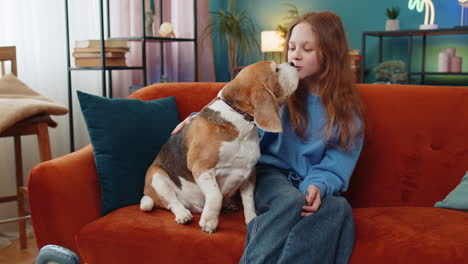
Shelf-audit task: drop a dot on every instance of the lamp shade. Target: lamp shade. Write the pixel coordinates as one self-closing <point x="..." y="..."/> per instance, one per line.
<point x="272" y="41"/>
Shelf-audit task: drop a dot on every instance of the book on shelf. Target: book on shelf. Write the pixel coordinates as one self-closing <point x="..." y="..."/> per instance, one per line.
<point x="99" y="49"/>
<point x="94" y="43"/>
<point x="107" y="54"/>
<point x="96" y="62"/>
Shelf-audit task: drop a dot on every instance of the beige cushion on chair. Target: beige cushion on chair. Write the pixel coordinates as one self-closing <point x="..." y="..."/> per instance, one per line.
<point x="18" y="101"/>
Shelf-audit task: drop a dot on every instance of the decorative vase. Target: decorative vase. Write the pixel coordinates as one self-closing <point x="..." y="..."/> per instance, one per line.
<point x="455" y="64"/>
<point x="392" y="25"/>
<point x="166" y="30"/>
<point x="444" y="62"/>
<point x="149" y="24"/>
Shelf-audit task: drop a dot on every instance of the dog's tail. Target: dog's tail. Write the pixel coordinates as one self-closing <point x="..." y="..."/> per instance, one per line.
<point x="146" y="203"/>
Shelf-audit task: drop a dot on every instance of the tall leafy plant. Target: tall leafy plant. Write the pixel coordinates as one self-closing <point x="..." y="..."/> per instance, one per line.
<point x="236" y="29"/>
<point x="293" y="14"/>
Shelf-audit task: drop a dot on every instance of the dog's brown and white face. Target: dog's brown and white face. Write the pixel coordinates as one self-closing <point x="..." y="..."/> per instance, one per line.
<point x="260" y="89"/>
<point x="202" y="167"/>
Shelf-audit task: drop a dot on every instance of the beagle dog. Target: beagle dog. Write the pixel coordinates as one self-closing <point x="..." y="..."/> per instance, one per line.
<point x="199" y="169"/>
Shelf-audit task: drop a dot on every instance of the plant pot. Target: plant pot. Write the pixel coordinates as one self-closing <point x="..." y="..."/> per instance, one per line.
<point x="392" y="25"/>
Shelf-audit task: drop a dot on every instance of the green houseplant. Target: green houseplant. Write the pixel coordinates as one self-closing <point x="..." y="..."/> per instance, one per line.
<point x="293" y="14"/>
<point x="391" y="72"/>
<point x="236" y="29"/>
<point x="393" y="13"/>
<point x="392" y="22"/>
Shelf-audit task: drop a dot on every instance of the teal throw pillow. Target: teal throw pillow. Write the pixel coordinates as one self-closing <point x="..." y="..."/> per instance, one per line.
<point x="458" y="198"/>
<point x="126" y="135"/>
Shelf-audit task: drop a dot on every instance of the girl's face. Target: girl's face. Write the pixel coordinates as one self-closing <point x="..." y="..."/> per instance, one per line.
<point x="302" y="52"/>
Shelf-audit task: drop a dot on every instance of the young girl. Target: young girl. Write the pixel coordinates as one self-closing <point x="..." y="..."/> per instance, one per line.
<point x="301" y="171"/>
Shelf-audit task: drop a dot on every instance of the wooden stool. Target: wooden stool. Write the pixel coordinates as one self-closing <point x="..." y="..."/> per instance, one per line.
<point x="35" y="125"/>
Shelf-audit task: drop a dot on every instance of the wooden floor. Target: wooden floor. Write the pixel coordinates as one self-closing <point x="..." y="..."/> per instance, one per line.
<point x="14" y="255"/>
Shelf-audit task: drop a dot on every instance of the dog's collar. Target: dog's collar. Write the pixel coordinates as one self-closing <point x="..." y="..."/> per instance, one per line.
<point x="246" y="115"/>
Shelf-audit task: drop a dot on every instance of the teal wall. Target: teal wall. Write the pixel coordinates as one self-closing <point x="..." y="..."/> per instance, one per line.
<point x="220" y="51"/>
<point x="358" y="16"/>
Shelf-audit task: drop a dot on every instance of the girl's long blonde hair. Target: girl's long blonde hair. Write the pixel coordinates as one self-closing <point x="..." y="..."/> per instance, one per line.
<point x="340" y="99"/>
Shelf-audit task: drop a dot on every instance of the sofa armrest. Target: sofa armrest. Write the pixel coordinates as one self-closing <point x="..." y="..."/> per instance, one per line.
<point x="64" y="195"/>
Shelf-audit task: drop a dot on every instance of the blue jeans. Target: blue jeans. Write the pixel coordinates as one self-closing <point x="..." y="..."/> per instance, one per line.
<point x="279" y="234"/>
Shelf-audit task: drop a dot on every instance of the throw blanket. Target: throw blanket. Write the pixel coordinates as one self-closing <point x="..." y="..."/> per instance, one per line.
<point x="18" y="101"/>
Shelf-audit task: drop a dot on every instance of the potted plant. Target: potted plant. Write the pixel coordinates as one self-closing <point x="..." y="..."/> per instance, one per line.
<point x="293" y="14"/>
<point x="392" y="22"/>
<point x="391" y="72"/>
<point x="236" y="29"/>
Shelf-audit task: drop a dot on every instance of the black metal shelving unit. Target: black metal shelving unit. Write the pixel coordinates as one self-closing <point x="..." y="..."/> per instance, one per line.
<point x="107" y="91"/>
<point x="410" y="34"/>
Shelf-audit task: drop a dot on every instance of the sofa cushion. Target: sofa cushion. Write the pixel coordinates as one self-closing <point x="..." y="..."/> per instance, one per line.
<point x="129" y="235"/>
<point x="383" y="235"/>
<point x="415" y="145"/>
<point x="410" y="235"/>
<point x="190" y="97"/>
<point x="126" y="135"/>
<point x="458" y="198"/>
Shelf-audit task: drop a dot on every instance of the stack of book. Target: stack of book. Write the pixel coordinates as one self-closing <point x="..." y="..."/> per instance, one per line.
<point x="87" y="53"/>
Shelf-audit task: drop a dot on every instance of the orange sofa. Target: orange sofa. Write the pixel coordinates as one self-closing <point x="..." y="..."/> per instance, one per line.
<point x="415" y="153"/>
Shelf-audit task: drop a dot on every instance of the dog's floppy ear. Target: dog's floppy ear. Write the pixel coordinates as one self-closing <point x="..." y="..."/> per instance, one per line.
<point x="266" y="110"/>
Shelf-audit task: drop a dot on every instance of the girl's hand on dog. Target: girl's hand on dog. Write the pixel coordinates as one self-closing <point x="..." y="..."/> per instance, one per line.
<point x="181" y="125"/>
<point x="313" y="201"/>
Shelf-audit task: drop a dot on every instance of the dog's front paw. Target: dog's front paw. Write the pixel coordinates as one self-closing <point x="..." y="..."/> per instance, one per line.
<point x="249" y="216"/>
<point x="208" y="224"/>
<point x="184" y="217"/>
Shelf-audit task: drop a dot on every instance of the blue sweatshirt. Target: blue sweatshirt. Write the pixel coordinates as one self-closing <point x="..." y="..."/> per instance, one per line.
<point x="311" y="161"/>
